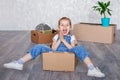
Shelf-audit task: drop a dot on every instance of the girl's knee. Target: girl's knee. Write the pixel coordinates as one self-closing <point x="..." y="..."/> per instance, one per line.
<point x="82" y="56"/>
<point x="34" y="52"/>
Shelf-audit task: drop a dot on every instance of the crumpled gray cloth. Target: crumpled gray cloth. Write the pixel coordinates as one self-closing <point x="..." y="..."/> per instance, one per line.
<point x="42" y="26"/>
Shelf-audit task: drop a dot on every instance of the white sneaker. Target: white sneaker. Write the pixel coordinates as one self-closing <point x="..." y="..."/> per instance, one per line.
<point x="14" y="65"/>
<point x="95" y="72"/>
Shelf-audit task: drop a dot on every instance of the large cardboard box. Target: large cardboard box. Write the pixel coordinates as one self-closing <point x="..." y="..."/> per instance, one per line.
<point x="94" y="32"/>
<point x="59" y="61"/>
<point x="41" y="38"/>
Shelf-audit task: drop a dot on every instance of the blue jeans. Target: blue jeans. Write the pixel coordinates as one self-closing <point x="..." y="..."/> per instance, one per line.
<point x="79" y="51"/>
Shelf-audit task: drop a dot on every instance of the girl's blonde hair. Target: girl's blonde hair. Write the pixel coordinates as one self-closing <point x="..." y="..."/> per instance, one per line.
<point x="65" y="18"/>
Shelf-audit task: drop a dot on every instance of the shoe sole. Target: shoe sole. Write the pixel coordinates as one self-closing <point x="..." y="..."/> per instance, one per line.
<point x="12" y="67"/>
<point x="95" y="76"/>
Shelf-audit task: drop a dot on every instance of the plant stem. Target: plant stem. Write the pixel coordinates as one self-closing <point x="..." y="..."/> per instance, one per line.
<point x="104" y="15"/>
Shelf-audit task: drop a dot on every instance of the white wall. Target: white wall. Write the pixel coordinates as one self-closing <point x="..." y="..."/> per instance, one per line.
<point x="26" y="14"/>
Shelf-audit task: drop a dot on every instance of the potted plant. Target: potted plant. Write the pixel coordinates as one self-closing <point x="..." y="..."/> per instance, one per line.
<point x="102" y="8"/>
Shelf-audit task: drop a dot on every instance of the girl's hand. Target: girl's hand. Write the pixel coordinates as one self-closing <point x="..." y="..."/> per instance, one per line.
<point x="61" y="36"/>
<point x="64" y="41"/>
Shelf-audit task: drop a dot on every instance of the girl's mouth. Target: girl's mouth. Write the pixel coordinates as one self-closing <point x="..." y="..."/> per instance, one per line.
<point x="65" y="31"/>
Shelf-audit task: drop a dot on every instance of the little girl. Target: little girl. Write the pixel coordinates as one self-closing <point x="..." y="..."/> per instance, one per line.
<point x="62" y="42"/>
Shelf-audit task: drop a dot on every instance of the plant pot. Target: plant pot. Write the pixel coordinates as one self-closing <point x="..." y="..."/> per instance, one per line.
<point x="105" y="22"/>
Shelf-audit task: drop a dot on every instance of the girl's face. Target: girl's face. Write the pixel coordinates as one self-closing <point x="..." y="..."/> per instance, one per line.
<point x="64" y="26"/>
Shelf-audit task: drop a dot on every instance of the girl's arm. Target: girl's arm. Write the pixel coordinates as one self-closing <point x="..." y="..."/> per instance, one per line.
<point x="55" y="44"/>
<point x="69" y="46"/>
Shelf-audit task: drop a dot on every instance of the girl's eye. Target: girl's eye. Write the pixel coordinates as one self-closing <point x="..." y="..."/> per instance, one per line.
<point x="62" y="25"/>
<point x="67" y="25"/>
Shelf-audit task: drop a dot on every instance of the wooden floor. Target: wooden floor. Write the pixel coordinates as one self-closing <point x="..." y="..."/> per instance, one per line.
<point x="14" y="44"/>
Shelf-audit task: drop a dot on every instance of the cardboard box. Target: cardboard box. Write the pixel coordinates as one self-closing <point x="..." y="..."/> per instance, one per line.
<point x="58" y="61"/>
<point x="41" y="38"/>
<point x="94" y="32"/>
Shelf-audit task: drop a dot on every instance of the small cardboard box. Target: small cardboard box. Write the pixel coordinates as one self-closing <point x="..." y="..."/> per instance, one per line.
<point x="59" y="61"/>
<point x="94" y="32"/>
<point x="41" y="38"/>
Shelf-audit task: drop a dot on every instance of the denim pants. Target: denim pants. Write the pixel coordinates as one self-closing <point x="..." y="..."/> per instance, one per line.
<point x="79" y="51"/>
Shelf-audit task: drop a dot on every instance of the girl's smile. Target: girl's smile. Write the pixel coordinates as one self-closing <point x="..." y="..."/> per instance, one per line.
<point x="65" y="31"/>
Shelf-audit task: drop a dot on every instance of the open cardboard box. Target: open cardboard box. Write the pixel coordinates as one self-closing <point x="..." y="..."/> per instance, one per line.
<point x="59" y="61"/>
<point x="42" y="38"/>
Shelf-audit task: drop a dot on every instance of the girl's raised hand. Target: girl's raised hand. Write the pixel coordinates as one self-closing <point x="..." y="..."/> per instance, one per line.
<point x="61" y="36"/>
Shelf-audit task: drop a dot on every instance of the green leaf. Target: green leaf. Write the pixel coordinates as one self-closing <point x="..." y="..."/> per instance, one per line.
<point x="108" y="4"/>
<point x="109" y="9"/>
<point x="109" y="12"/>
<point x="94" y="6"/>
<point x="98" y="9"/>
<point x="105" y="4"/>
<point x="101" y="4"/>
<point x="101" y="12"/>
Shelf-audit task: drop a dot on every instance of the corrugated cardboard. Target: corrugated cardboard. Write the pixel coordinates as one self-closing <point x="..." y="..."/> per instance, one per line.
<point x="41" y="38"/>
<point x="94" y="32"/>
<point x="58" y="61"/>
